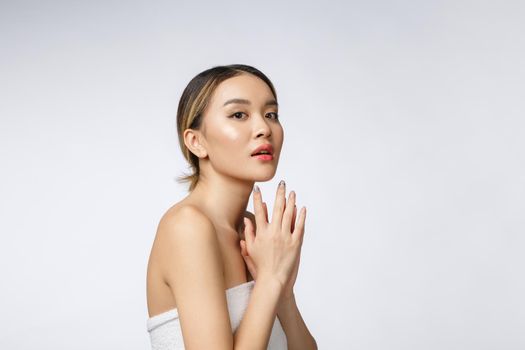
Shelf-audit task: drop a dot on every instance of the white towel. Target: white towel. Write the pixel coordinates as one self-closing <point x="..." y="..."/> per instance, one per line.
<point x="165" y="331"/>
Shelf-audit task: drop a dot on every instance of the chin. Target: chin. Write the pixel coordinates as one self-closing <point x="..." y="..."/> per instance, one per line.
<point x="264" y="176"/>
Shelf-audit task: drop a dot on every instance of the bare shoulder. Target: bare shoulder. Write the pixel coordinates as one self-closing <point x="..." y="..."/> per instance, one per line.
<point x="183" y="227"/>
<point x="193" y="269"/>
<point x="183" y="216"/>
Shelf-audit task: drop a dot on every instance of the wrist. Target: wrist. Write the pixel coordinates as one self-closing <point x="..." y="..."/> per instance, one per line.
<point x="286" y="304"/>
<point x="287" y="295"/>
<point x="287" y="298"/>
<point x="272" y="282"/>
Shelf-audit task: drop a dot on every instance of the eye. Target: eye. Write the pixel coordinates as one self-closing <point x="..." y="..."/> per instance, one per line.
<point x="236" y="114"/>
<point x="276" y="116"/>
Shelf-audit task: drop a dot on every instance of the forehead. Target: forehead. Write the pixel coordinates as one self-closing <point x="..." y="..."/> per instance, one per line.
<point x="244" y="86"/>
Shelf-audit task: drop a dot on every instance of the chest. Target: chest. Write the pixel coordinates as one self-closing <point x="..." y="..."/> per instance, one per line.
<point x="234" y="267"/>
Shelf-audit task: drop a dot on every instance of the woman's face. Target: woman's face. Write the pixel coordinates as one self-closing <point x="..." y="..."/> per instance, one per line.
<point x="242" y="115"/>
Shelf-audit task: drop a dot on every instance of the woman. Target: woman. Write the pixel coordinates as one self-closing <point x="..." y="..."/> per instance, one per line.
<point x="220" y="277"/>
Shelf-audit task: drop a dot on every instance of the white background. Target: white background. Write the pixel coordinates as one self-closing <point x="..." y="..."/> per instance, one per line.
<point x="404" y="137"/>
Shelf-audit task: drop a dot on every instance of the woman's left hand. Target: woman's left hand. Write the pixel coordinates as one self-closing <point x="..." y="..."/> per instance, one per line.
<point x="288" y="287"/>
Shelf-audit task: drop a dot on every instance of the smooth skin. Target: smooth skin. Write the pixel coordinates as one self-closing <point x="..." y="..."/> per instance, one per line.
<point x="282" y="218"/>
<point x="197" y="252"/>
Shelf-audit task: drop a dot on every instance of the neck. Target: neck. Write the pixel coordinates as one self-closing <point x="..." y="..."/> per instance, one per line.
<point x="224" y="199"/>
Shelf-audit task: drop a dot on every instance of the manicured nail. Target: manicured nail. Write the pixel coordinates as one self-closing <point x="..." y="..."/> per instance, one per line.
<point x="282" y="183"/>
<point x="256" y="188"/>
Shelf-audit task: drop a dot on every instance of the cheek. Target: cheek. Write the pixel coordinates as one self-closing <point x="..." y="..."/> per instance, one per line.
<point x="230" y="134"/>
<point x="228" y="142"/>
<point x="278" y="137"/>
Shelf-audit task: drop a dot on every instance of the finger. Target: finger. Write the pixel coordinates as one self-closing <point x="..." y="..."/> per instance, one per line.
<point x="265" y="211"/>
<point x="249" y="263"/>
<point x="294" y="218"/>
<point x="299" y="229"/>
<point x="288" y="213"/>
<point x="243" y="248"/>
<point x="280" y="203"/>
<point x="251" y="266"/>
<point x="260" y="219"/>
<point x="249" y="235"/>
<point x="244" y="251"/>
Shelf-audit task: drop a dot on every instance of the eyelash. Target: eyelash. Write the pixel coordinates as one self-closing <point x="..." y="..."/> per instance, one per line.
<point x="275" y="118"/>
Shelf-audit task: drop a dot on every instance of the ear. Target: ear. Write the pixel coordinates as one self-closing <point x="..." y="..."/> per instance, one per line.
<point x="193" y="140"/>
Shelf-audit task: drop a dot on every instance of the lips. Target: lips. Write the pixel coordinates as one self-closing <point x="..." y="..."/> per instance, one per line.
<point x="266" y="147"/>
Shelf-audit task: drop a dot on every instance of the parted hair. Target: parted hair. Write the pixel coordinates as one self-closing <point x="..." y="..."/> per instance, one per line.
<point x="192" y="105"/>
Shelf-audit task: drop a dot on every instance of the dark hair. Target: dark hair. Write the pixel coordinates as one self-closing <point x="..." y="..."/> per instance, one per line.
<point x="193" y="102"/>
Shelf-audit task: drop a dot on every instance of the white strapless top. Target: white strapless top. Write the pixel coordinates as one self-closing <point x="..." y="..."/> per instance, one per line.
<point x="165" y="331"/>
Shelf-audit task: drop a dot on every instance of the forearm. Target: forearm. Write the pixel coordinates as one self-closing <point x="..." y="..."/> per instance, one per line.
<point x="256" y="325"/>
<point x="297" y="334"/>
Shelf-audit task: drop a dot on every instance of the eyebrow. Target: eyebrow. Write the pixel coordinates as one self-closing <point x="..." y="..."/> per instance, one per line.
<point x="247" y="102"/>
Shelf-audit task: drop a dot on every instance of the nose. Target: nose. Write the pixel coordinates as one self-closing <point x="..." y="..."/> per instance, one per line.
<point x="262" y="127"/>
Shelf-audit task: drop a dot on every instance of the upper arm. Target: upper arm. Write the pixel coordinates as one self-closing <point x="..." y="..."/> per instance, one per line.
<point x="193" y="268"/>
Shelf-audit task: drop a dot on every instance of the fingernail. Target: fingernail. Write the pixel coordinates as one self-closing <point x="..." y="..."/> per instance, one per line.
<point x="255" y="188"/>
<point x="282" y="183"/>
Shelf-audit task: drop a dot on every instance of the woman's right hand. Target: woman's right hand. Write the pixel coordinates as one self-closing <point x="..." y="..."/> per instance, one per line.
<point x="274" y="248"/>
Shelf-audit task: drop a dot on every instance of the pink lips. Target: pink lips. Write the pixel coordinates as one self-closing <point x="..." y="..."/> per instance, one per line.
<point x="266" y="147"/>
<point x="264" y="156"/>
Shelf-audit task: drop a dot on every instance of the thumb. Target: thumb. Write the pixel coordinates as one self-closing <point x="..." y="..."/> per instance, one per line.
<point x="243" y="248"/>
<point x="248" y="260"/>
